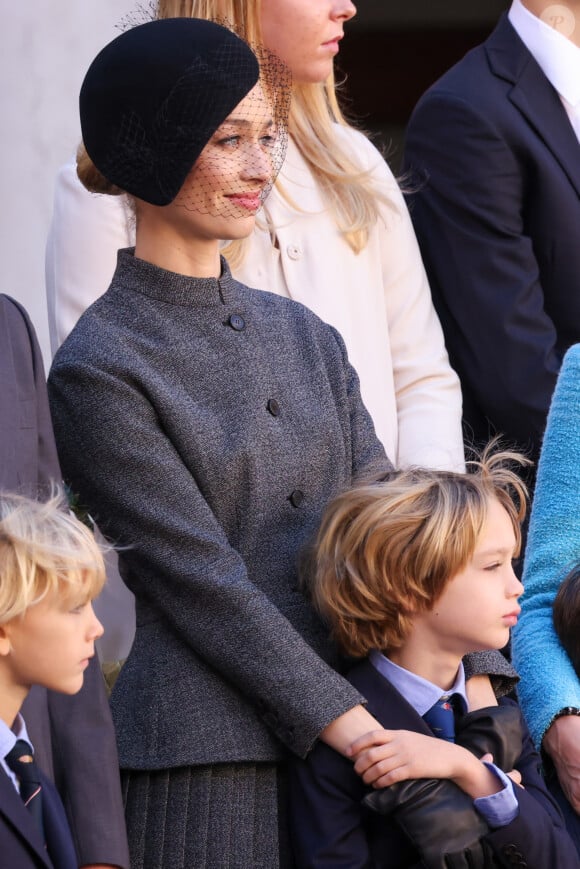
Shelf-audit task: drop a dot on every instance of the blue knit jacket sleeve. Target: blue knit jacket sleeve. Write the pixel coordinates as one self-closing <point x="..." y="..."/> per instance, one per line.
<point x="548" y="681"/>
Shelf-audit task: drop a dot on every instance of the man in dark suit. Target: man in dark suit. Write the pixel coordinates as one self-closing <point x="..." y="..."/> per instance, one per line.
<point x="493" y="158"/>
<point x="72" y="735"/>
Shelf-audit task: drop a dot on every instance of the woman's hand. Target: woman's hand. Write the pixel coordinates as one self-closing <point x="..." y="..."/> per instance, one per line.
<point x="384" y="757"/>
<point x="562" y="743"/>
<point x="345" y="729"/>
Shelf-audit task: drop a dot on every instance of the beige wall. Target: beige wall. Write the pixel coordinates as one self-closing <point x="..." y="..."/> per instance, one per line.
<point x="45" y="47"/>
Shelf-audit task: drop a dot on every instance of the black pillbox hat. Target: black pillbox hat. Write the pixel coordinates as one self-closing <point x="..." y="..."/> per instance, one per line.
<point x="153" y="98"/>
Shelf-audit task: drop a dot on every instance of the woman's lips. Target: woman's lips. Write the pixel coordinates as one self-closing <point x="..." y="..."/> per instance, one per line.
<point x="333" y="43"/>
<point x="249" y="201"/>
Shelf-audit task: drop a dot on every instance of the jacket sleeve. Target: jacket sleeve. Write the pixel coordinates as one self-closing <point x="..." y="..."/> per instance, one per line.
<point x="537" y="837"/>
<point x="48" y="466"/>
<point x="368" y="454"/>
<point x="28" y="448"/>
<point x="86" y="231"/>
<point x="143" y="495"/>
<point x="427" y="389"/>
<point x="553" y="548"/>
<point x="468" y="188"/>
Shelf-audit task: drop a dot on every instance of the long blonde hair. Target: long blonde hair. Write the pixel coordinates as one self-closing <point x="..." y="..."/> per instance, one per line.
<point x="346" y="186"/>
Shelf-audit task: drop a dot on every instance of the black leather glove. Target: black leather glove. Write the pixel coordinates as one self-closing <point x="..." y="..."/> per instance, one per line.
<point x="436" y="815"/>
<point x="440" y="821"/>
<point x="496" y="730"/>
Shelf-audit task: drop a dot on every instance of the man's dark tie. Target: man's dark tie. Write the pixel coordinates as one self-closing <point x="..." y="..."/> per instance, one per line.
<point x="24" y="768"/>
<point x="441" y="717"/>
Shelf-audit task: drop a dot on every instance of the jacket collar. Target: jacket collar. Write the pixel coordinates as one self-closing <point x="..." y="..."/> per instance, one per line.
<point x="384" y="701"/>
<point x="534" y="96"/>
<point x="19" y="818"/>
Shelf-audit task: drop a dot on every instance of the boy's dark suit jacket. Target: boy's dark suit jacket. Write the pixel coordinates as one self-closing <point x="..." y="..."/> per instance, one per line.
<point x="21" y="845"/>
<point x="331" y="830"/>
<point x="73" y="737"/>
<point x="495" y="200"/>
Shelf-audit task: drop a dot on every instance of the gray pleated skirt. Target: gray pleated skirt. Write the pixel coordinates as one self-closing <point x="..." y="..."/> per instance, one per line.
<point x="207" y="817"/>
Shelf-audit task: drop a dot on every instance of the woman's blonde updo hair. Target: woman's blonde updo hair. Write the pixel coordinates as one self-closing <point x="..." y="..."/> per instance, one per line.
<point x="91" y="178"/>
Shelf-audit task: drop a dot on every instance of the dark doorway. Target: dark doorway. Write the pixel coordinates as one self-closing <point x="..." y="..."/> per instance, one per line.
<point x="395" y="49"/>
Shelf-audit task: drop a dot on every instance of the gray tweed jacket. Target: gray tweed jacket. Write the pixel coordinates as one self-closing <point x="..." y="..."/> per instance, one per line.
<point x="206" y="425"/>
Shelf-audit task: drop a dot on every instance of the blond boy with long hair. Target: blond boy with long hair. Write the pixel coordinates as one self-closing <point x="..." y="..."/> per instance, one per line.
<point x="411" y="572"/>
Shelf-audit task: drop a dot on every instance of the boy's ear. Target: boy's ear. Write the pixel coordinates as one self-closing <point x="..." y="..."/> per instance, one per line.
<point x="5" y="639"/>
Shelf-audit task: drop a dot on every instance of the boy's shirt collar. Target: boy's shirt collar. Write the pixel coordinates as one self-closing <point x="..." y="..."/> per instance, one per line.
<point x="417" y="691"/>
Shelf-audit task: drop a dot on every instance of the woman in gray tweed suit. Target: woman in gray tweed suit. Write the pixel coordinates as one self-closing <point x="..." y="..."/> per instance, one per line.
<point x="206" y="425"/>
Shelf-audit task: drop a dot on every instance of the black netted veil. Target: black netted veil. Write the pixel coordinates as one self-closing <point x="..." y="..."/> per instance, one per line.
<point x="156" y="95"/>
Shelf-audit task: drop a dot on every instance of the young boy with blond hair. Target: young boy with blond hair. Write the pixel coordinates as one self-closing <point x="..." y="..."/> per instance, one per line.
<point x="50" y="570"/>
<point x="411" y="572"/>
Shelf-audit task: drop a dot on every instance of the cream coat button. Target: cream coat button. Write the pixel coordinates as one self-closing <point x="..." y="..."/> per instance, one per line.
<point x="293" y="251"/>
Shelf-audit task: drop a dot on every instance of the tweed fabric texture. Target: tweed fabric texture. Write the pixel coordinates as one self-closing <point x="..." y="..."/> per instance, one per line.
<point x="504" y="678"/>
<point x="163" y="408"/>
<point x="205" y="817"/>
<point x="548" y="680"/>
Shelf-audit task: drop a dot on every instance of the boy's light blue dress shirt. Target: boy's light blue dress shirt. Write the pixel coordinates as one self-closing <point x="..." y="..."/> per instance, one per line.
<point x="498" y="809"/>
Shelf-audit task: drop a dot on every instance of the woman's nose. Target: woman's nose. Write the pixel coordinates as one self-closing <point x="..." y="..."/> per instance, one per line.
<point x="258" y="163"/>
<point x="344" y="9"/>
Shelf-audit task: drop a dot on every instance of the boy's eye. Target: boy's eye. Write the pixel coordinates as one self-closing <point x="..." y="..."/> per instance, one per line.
<point x="76" y="610"/>
<point x="493" y="566"/>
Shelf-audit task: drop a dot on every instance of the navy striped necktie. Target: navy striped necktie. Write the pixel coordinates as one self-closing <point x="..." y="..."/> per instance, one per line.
<point x="441" y="716"/>
<point x="22" y="764"/>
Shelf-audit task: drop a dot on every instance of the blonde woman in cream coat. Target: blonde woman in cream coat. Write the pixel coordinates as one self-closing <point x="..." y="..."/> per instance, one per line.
<point x="366" y="280"/>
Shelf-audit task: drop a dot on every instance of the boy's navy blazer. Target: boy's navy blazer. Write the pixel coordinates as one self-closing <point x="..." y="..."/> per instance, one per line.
<point x="326" y="805"/>
<point x="495" y="177"/>
<point x="62" y="729"/>
<point x="21" y="845"/>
